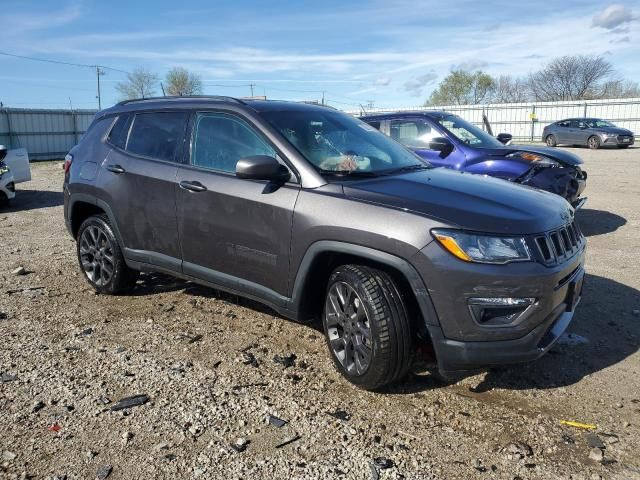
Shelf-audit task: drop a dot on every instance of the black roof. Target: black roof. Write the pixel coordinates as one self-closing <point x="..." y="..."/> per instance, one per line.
<point x="435" y="114"/>
<point x="203" y="101"/>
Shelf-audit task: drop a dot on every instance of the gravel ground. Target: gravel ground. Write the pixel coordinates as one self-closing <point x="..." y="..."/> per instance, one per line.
<point x="205" y="362"/>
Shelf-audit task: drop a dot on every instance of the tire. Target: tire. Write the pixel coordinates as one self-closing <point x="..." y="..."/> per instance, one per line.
<point x="367" y="326"/>
<point x="623" y="146"/>
<point x="551" y="141"/>
<point x="100" y="258"/>
<point x="593" y="142"/>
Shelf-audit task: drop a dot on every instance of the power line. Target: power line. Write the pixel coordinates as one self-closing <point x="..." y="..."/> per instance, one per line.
<point x="60" y="62"/>
<point x="99" y="69"/>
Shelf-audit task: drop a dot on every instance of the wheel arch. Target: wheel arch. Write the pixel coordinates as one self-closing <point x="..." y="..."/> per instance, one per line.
<point x="82" y="206"/>
<point x="322" y="257"/>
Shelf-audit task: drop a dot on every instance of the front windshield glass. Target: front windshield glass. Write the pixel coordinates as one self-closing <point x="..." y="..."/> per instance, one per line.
<point x="467" y="132"/>
<point x="595" y="123"/>
<point x="337" y="143"/>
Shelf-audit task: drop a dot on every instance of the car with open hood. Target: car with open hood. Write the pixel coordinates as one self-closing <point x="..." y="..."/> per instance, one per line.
<point x="318" y="215"/>
<point x="447" y="140"/>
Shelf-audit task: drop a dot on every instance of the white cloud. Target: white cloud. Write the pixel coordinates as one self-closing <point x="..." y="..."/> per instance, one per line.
<point x="612" y="17"/>
<point x="470" y="65"/>
<point x="21" y="22"/>
<point x="383" y="81"/>
<point x="416" y="85"/>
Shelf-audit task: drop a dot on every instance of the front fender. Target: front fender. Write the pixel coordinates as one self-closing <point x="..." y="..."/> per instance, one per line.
<point x="416" y="283"/>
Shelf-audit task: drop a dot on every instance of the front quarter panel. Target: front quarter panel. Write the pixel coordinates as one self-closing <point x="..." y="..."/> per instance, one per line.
<point x="325" y="214"/>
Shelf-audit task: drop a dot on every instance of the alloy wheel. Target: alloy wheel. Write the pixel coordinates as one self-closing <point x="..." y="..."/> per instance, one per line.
<point x="348" y="328"/>
<point x="96" y="255"/>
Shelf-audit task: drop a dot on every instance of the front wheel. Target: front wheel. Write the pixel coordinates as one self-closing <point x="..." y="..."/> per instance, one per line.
<point x="551" y="141"/>
<point x="593" y="142"/>
<point x="367" y="326"/>
<point x="101" y="259"/>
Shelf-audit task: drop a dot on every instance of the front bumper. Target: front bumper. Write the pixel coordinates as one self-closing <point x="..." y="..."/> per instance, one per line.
<point x="7" y="185"/>
<point x="568" y="182"/>
<point x="618" y="140"/>
<point x="456" y="355"/>
<point x="461" y="343"/>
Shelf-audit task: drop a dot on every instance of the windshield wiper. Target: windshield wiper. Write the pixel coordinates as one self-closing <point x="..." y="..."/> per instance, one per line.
<point x="407" y="168"/>
<point x="349" y="173"/>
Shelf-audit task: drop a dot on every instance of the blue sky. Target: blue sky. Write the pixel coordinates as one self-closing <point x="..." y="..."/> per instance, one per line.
<point x="390" y="52"/>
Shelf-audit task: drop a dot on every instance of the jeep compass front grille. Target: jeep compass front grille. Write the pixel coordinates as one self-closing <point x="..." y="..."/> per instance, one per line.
<point x="559" y="245"/>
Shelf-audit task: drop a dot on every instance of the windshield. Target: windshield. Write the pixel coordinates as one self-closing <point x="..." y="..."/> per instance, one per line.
<point x="336" y="143"/>
<point x="467" y="132"/>
<point x="595" y="123"/>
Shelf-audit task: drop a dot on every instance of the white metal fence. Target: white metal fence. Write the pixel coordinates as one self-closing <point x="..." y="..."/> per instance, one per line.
<point x="50" y="134"/>
<point x="525" y="121"/>
<point x="46" y="134"/>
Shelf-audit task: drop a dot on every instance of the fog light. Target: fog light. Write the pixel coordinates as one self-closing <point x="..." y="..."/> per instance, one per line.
<point x="499" y="311"/>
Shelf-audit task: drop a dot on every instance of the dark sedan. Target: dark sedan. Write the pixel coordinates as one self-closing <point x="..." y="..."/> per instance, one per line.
<point x="591" y="132"/>
<point x="446" y="140"/>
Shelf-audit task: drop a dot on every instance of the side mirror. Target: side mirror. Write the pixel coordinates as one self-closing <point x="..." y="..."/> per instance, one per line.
<point x="3" y="152"/>
<point x="440" y="144"/>
<point x="262" y="167"/>
<point x="582" y="126"/>
<point x="504" y="138"/>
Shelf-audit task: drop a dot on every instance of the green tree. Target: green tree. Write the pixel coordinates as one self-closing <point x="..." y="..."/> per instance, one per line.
<point x="180" y="82"/>
<point x="461" y="87"/>
<point x="141" y="83"/>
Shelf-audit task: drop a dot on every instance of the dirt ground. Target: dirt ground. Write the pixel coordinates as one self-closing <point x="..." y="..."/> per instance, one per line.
<point x="206" y="362"/>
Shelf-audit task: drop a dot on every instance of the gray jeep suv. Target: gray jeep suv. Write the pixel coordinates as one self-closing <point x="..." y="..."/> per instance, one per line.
<point x="317" y="214"/>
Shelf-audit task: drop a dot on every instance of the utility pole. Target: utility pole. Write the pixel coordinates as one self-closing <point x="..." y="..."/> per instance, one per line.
<point x="162" y="87"/>
<point x="323" y="97"/>
<point x="251" y="85"/>
<point x="99" y="72"/>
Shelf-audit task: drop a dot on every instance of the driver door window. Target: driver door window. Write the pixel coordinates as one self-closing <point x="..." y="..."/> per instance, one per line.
<point x="412" y="133"/>
<point x="220" y="140"/>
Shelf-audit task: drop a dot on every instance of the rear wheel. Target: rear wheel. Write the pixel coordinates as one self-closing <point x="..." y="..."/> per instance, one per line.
<point x="593" y="142"/>
<point x="101" y="259"/>
<point x="551" y="140"/>
<point x="367" y="326"/>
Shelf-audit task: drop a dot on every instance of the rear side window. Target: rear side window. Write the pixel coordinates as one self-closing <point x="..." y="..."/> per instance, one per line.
<point x="158" y="135"/>
<point x="375" y="125"/>
<point x="118" y="134"/>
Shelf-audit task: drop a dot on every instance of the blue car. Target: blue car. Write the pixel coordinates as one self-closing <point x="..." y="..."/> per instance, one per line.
<point x="447" y="140"/>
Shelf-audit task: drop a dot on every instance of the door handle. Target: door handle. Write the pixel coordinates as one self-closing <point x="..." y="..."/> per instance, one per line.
<point x="115" y="168"/>
<point x="192" y="186"/>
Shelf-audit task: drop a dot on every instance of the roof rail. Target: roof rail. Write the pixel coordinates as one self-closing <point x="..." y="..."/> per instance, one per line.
<point x="220" y="98"/>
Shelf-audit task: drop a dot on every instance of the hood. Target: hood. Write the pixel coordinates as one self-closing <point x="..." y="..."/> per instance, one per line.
<point x="472" y="202"/>
<point x="614" y="130"/>
<point x="562" y="156"/>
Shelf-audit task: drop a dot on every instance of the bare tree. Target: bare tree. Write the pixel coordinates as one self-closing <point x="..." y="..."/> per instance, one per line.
<point x="141" y="83"/>
<point x="180" y="82"/>
<point x="621" y="89"/>
<point x="572" y="77"/>
<point x="461" y="87"/>
<point x="510" y="89"/>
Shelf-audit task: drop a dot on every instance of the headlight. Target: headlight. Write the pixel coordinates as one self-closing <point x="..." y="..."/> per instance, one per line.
<point x="534" y="157"/>
<point x="478" y="248"/>
<point x="610" y="135"/>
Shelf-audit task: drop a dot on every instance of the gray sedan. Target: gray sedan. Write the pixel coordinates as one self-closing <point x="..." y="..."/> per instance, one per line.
<point x="592" y="132"/>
